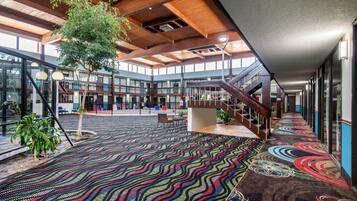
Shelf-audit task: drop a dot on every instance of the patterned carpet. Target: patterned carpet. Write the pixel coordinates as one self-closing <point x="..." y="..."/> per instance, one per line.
<point x="292" y="166"/>
<point x="131" y="159"/>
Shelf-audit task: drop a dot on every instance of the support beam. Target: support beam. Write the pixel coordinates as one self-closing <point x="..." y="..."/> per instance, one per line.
<point x="171" y="56"/>
<point x="19" y="31"/>
<point x="185" y="18"/>
<point x="131" y="7"/>
<point x="197" y="54"/>
<point x="45" y="6"/>
<point x="28" y="19"/>
<point x="153" y="59"/>
<point x="50" y="37"/>
<point x="225" y="51"/>
<point x="181" y="45"/>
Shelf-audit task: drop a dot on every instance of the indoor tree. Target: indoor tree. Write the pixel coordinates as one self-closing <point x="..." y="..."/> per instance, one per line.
<point x="89" y="39"/>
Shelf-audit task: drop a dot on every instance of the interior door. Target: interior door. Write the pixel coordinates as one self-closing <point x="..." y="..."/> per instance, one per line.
<point x="291" y="103"/>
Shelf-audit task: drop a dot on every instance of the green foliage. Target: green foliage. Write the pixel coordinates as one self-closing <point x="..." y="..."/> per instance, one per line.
<point x="224" y="116"/>
<point x="182" y="113"/>
<point x="90" y="35"/>
<point x="37" y="134"/>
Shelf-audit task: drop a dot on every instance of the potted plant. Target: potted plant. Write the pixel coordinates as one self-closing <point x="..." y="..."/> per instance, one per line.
<point x="89" y="40"/>
<point x="37" y="134"/>
<point x="223" y="116"/>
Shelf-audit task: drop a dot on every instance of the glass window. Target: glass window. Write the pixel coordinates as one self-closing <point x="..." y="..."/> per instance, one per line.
<point x="199" y="67"/>
<point x="51" y="50"/>
<point x="178" y="69"/>
<point x="123" y="66"/>
<point x="148" y="71"/>
<point x="162" y="71"/>
<point x="171" y="70"/>
<point x="141" y="70"/>
<point x="236" y="63"/>
<point x="134" y="68"/>
<point x="189" y="68"/>
<point x="219" y="64"/>
<point x="211" y="65"/>
<point x="8" y="40"/>
<point x="28" y="45"/>
<point x="247" y="61"/>
<point x="156" y="71"/>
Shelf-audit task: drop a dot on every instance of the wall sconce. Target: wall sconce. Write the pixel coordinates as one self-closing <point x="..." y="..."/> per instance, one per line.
<point x="343" y="49"/>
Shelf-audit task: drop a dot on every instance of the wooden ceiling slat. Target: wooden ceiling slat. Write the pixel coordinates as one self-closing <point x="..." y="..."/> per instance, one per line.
<point x="28" y="19"/>
<point x="180" y="45"/>
<point x="19" y="31"/>
<point x="185" y="18"/>
<point x="45" y="6"/>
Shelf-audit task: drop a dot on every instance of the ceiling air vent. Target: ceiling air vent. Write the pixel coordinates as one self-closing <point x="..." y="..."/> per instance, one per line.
<point x="164" y="24"/>
<point x="166" y="27"/>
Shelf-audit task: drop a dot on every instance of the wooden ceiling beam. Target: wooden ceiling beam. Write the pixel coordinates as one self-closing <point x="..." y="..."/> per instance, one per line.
<point x="50" y="37"/>
<point x="197" y="54"/>
<point x="139" y="25"/>
<point x="140" y="63"/>
<point x="131" y="7"/>
<point x="153" y="59"/>
<point x="40" y="5"/>
<point x="181" y="45"/>
<point x="28" y="19"/>
<point x="19" y="31"/>
<point x="225" y="51"/>
<point x="171" y="56"/>
<point x="185" y="18"/>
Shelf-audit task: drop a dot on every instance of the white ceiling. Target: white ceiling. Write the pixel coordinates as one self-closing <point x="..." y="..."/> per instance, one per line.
<point x="292" y="37"/>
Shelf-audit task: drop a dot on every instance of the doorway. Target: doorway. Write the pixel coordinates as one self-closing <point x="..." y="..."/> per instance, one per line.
<point x="291" y="103"/>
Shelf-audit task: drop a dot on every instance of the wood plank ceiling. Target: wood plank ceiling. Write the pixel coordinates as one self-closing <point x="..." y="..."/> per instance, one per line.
<point x="162" y="31"/>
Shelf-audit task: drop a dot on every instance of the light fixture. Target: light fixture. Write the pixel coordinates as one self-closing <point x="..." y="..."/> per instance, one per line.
<point x="34" y="64"/>
<point x="343" y="49"/>
<point x="150" y="8"/>
<point x="57" y="75"/>
<point x="41" y="75"/>
<point x="223" y="38"/>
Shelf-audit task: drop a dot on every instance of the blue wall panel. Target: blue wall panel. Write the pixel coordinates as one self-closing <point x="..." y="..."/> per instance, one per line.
<point x="346" y="148"/>
<point x="298" y="108"/>
<point x="316" y="122"/>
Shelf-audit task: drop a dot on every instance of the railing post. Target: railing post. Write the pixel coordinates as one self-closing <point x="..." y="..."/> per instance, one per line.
<point x="250" y="117"/>
<point x="258" y="124"/>
<point x="242" y="106"/>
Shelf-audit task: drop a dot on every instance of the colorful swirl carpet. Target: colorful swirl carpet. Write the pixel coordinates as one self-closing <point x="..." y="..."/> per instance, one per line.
<point x="139" y="163"/>
<point x="293" y="165"/>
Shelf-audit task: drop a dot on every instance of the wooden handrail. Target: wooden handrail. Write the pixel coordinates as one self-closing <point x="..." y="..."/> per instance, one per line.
<point x="235" y="92"/>
<point x="245" y="72"/>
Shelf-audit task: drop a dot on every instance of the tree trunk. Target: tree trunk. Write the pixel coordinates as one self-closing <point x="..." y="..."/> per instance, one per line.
<point x="81" y="107"/>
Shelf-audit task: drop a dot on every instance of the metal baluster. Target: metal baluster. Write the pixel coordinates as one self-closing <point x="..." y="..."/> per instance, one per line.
<point x="258" y="124"/>
<point x="242" y="106"/>
<point x="250" y="117"/>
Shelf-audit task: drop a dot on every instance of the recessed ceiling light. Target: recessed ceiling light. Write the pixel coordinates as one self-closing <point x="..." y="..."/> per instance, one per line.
<point x="223" y="39"/>
<point x="150" y="8"/>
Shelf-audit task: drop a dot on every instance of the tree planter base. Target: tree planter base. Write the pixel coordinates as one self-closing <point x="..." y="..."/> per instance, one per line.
<point x="86" y="134"/>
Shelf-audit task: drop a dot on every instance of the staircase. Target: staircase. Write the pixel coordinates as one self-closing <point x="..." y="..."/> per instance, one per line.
<point x="234" y="98"/>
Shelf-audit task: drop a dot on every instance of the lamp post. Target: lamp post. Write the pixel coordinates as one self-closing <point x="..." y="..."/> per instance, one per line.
<point x="57" y="76"/>
<point x="223" y="39"/>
